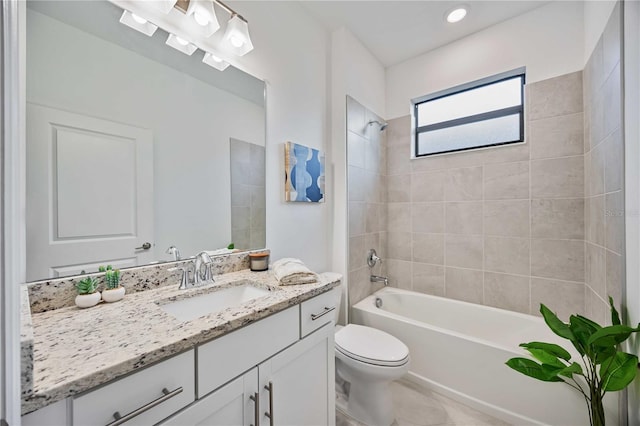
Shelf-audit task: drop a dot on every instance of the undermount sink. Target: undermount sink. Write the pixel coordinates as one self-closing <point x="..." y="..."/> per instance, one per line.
<point x="215" y="301"/>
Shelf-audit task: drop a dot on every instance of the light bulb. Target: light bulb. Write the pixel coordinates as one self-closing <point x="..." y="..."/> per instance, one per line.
<point x="201" y="19"/>
<point x="138" y="19"/>
<point x="182" y="41"/>
<point x="456" y="15"/>
<point x="236" y="41"/>
<point x="215" y="58"/>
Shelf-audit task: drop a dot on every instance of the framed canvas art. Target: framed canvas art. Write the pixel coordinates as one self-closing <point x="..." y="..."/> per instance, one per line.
<point x="304" y="174"/>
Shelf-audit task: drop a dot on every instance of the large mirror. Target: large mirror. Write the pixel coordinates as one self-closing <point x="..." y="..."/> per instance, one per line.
<point x="134" y="147"/>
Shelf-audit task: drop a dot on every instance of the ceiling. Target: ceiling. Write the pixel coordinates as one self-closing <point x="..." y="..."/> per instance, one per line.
<point x="395" y="31"/>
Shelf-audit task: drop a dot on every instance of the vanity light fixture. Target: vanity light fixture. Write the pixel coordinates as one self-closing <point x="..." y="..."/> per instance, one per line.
<point x="138" y="23"/>
<point x="236" y="38"/>
<point x="457" y="14"/>
<point x="202" y="12"/>
<point x="181" y="44"/>
<point x="214" y="61"/>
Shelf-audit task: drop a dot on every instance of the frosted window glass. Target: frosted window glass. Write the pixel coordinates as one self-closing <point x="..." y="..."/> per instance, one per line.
<point x="471" y="135"/>
<point x="492" y="97"/>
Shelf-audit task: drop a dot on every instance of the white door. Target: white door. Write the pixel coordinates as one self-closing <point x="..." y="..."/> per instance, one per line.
<point x="89" y="193"/>
<point x="232" y="404"/>
<point x="297" y="385"/>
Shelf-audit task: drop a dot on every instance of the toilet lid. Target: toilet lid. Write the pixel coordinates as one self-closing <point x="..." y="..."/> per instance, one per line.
<point x="370" y="345"/>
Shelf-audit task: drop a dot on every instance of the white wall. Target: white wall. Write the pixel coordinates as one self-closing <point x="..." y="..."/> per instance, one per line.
<point x="291" y="51"/>
<point x="548" y="41"/>
<point x="596" y="16"/>
<point x="357" y="73"/>
<point x="191" y="122"/>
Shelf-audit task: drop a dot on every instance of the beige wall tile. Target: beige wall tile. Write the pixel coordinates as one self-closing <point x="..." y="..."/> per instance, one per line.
<point x="400" y="274"/>
<point x="596" y="170"/>
<point x="559" y="136"/>
<point x="597" y="117"/>
<point x="595" y="271"/>
<point x="399" y="217"/>
<point x="558" y="218"/>
<point x="359" y="286"/>
<point x="464" y="251"/>
<point x="596" y="308"/>
<point x="557" y="178"/>
<point x="428" y="248"/>
<point x="555" y="96"/>
<point x="614" y="162"/>
<point x="508" y="153"/>
<point x="356" y="179"/>
<point x="357" y="253"/>
<point x="463" y="284"/>
<point x="398" y="161"/>
<point x="428" y="279"/>
<point x="509" y="218"/>
<point x="562" y="297"/>
<point x="506" y="181"/>
<point x="356" y="145"/>
<point x="464" y="217"/>
<point x="614" y="222"/>
<point x="427" y="217"/>
<point x="595" y="231"/>
<point x="356" y="116"/>
<point x="399" y="245"/>
<point x="558" y="259"/>
<point x="612" y="96"/>
<point x="372" y="218"/>
<point x="399" y="188"/>
<point x="463" y="184"/>
<point x="611" y="41"/>
<point x="507" y="255"/>
<point x="507" y="291"/>
<point x="428" y="186"/>
<point x="372" y="153"/>
<point x="399" y="132"/>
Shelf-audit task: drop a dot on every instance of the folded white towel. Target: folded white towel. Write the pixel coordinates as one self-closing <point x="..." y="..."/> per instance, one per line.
<point x="290" y="271"/>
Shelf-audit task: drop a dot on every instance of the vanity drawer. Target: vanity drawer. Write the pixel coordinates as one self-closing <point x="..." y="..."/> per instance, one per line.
<point x="231" y="355"/>
<point x="147" y="396"/>
<point x="318" y="311"/>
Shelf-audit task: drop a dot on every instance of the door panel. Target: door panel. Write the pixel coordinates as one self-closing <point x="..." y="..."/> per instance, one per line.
<point x="89" y="193"/>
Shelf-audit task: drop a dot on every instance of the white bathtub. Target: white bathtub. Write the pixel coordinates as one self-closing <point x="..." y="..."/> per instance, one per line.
<point x="459" y="349"/>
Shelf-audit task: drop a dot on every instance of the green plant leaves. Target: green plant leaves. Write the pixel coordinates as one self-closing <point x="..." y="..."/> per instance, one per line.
<point x="533" y="369"/>
<point x="554" y="323"/>
<point x="617" y="372"/>
<point x="615" y="317"/>
<point x="549" y="350"/>
<point x="610" y="336"/>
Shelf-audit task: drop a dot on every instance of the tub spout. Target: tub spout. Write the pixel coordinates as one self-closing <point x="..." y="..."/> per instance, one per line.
<point x="379" y="279"/>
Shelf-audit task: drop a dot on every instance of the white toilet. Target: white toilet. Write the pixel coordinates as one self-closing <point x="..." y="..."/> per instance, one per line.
<point x="369" y="359"/>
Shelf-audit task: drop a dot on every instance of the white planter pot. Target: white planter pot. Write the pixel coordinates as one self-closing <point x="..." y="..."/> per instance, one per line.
<point x="113" y="295"/>
<point x="87" y="300"/>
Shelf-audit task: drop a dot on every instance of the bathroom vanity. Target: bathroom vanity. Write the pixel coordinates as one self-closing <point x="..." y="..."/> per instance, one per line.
<point x="267" y="360"/>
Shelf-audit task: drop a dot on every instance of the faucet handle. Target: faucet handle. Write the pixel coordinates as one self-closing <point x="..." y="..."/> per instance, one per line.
<point x="184" y="280"/>
<point x="372" y="258"/>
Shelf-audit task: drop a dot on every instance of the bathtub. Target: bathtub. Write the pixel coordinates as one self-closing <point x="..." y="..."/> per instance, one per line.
<point x="459" y="349"/>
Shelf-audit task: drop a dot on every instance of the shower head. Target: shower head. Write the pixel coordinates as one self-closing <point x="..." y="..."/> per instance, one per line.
<point x="382" y="125"/>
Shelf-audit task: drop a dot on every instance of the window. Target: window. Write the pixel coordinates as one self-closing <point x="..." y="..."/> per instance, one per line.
<point x="487" y="112"/>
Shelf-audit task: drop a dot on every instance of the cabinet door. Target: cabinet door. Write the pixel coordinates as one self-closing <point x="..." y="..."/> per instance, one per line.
<point x="229" y="405"/>
<point x="301" y="379"/>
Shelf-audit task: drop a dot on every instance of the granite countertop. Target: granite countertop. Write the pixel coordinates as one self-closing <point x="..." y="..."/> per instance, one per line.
<point x="75" y="350"/>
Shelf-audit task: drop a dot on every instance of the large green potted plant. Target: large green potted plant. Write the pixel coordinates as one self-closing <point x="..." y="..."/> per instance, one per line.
<point x="604" y="368"/>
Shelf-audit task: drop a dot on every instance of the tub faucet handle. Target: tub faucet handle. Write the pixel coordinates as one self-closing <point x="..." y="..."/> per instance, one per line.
<point x="372" y="258"/>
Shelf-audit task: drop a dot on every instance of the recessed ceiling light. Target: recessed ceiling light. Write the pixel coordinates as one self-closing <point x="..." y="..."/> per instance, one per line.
<point x="457" y="14"/>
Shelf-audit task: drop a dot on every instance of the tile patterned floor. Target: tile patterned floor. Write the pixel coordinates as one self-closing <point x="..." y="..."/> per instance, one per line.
<point x="416" y="406"/>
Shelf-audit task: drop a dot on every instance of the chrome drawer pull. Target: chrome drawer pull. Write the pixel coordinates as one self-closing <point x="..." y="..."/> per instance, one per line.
<point x="166" y="395"/>
<point x="269" y="414"/>
<point x="256" y="412"/>
<point x="323" y="313"/>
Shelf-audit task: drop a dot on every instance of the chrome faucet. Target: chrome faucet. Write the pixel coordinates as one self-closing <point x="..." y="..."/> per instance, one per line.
<point x="173" y="250"/>
<point x="202" y="261"/>
<point x="379" y="279"/>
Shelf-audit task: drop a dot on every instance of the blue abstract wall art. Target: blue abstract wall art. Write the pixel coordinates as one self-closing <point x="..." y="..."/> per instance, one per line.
<point x="304" y="174"/>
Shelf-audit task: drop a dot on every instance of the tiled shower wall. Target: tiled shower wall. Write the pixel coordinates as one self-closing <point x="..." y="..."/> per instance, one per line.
<point x="604" y="165"/>
<point x="367" y="198"/>
<point x="502" y="226"/>
<point x="248" y="205"/>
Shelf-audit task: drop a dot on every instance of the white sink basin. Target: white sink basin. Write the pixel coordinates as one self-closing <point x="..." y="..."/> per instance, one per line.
<point x="205" y="304"/>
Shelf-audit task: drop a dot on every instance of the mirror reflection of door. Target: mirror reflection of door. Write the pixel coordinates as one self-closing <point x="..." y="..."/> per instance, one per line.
<point x="89" y="194"/>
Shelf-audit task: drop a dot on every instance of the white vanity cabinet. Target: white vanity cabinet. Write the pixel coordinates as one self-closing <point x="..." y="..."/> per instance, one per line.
<point x="276" y="371"/>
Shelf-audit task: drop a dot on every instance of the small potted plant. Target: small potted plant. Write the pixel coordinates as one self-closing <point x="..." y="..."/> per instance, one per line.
<point x="113" y="290"/>
<point x="88" y="295"/>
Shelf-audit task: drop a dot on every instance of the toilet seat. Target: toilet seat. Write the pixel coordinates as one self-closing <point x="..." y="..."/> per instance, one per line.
<point x="371" y="346"/>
